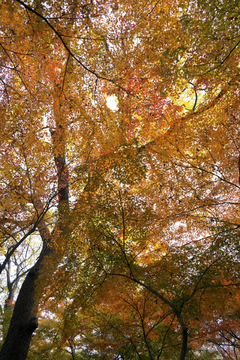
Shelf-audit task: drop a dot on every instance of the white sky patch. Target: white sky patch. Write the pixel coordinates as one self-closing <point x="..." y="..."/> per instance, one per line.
<point x="180" y="224"/>
<point x="112" y="102"/>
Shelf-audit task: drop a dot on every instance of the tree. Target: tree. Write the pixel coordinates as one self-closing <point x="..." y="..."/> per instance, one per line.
<point x="130" y="188"/>
<point x="16" y="269"/>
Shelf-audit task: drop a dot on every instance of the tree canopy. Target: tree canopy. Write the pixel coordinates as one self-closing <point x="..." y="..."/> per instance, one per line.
<point x="120" y="179"/>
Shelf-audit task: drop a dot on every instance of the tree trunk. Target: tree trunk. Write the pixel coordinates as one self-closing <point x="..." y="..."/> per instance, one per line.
<point x="184" y="343"/>
<point x="24" y="320"/>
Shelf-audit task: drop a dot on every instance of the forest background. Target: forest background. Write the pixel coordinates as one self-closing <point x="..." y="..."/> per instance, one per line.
<point x="119" y="173"/>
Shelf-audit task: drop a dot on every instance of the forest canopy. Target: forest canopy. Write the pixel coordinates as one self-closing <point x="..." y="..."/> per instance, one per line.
<point x="119" y="179"/>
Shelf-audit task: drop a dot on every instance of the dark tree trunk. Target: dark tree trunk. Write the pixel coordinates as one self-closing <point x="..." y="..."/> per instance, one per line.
<point x="24" y="319"/>
<point x="184" y="343"/>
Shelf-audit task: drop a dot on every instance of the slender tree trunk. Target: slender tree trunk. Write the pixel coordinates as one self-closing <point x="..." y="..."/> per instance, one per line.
<point x="184" y="335"/>
<point x="184" y="343"/>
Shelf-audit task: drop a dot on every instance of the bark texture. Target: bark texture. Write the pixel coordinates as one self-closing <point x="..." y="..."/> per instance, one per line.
<point x="24" y="320"/>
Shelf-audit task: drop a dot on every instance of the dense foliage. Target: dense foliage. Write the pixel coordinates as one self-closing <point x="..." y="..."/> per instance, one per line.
<point x="120" y="179"/>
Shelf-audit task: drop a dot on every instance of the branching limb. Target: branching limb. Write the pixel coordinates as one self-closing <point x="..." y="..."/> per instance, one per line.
<point x="68" y="49"/>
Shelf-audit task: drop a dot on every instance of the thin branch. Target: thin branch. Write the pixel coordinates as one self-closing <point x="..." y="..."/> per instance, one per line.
<point x="222" y="62"/>
<point x="153" y="8"/>
<point x="65" y="72"/>
<point x="16" y="70"/>
<point x="196" y="96"/>
<point x="68" y="49"/>
<point x="164" y="338"/>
